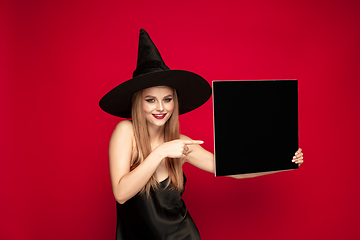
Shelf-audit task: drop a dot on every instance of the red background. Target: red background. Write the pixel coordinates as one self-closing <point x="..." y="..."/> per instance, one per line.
<point x="58" y="58"/>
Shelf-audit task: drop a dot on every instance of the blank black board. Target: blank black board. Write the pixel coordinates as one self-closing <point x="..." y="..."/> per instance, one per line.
<point x="255" y="126"/>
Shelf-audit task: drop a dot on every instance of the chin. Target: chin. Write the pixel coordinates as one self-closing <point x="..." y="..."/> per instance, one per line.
<point x="160" y="123"/>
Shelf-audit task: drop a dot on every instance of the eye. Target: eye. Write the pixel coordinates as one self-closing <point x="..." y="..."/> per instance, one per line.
<point x="167" y="99"/>
<point x="150" y="100"/>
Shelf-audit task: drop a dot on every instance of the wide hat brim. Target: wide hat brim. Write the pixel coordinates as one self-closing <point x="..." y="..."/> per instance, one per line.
<point x="192" y="91"/>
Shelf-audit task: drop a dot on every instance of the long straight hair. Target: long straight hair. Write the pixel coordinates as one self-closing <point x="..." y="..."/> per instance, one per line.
<point x="143" y="146"/>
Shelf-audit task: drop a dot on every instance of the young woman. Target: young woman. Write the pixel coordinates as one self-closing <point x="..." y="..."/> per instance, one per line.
<point x="147" y="153"/>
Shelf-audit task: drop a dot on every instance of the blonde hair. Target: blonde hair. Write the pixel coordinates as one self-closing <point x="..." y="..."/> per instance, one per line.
<point x="143" y="147"/>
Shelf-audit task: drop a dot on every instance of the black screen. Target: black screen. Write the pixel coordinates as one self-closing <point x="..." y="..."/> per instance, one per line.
<point x="256" y="126"/>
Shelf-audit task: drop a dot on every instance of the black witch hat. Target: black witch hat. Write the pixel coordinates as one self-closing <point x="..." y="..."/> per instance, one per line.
<point x="151" y="71"/>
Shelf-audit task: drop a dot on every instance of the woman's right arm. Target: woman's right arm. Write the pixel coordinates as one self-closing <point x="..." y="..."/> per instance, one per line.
<point x="126" y="184"/>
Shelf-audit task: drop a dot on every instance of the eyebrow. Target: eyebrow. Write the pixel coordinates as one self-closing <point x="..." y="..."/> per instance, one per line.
<point x="150" y="96"/>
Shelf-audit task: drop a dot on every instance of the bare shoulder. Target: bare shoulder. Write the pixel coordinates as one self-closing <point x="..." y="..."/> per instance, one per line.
<point x="121" y="141"/>
<point x="127" y="124"/>
<point x="124" y="126"/>
<point x="123" y="132"/>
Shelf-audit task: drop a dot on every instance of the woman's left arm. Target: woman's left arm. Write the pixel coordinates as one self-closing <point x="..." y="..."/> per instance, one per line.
<point x="199" y="157"/>
<point x="204" y="160"/>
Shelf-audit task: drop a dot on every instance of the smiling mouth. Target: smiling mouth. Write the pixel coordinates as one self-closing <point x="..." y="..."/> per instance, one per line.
<point x="159" y="116"/>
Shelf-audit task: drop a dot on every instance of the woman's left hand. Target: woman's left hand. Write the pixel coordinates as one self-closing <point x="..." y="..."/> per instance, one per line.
<point x="299" y="157"/>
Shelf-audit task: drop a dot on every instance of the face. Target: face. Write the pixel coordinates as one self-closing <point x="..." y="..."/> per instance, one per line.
<point x="158" y="104"/>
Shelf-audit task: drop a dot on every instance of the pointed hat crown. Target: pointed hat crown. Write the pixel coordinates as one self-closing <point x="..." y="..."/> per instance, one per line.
<point x="149" y="58"/>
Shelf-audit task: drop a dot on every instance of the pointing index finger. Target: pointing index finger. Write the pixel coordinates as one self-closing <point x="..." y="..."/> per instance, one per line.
<point x="192" y="142"/>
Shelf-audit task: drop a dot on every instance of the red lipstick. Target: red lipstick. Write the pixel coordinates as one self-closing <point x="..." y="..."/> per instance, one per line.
<point x="159" y="116"/>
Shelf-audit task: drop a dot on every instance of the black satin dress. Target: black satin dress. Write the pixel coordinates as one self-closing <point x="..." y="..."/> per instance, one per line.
<point x="163" y="215"/>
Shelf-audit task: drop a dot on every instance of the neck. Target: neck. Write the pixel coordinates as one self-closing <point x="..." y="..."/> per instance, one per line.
<point x="156" y="135"/>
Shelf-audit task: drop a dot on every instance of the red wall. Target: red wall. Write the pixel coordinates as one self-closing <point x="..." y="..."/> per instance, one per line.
<point x="58" y="58"/>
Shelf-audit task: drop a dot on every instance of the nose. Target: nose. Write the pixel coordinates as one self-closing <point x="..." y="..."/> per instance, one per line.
<point x="159" y="106"/>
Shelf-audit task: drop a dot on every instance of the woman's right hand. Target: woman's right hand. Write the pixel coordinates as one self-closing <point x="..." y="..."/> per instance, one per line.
<point x="177" y="148"/>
